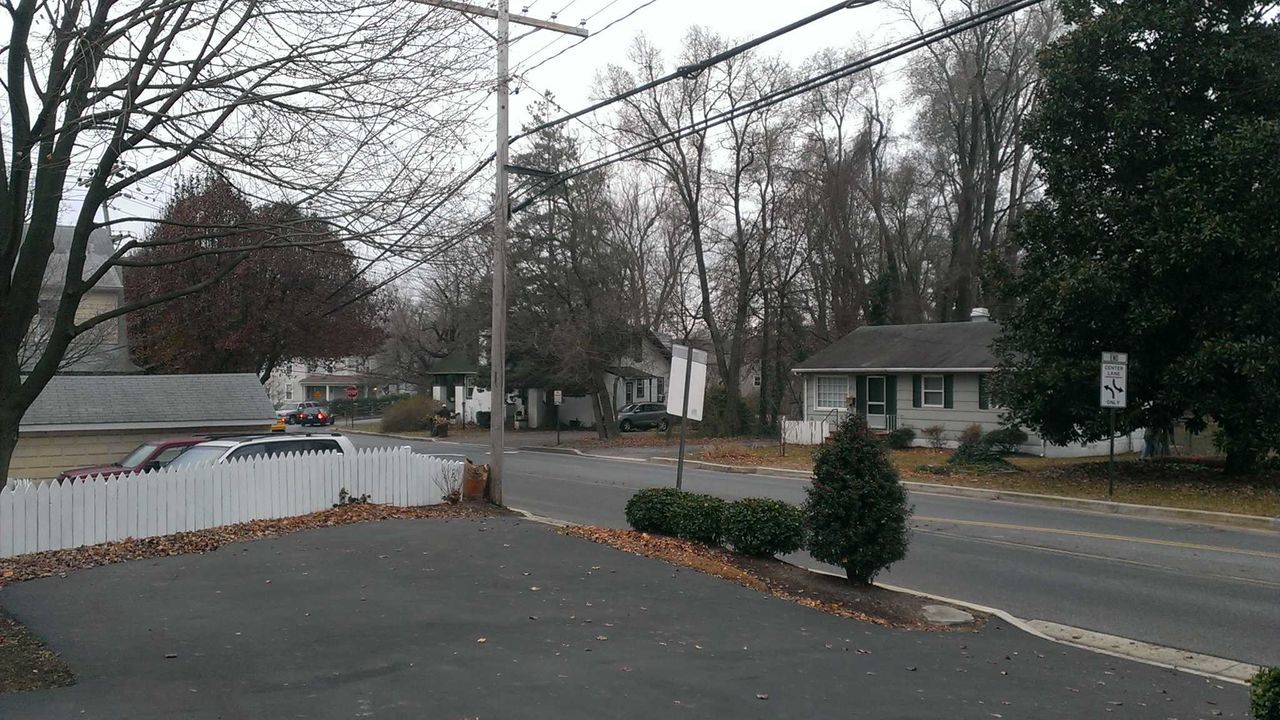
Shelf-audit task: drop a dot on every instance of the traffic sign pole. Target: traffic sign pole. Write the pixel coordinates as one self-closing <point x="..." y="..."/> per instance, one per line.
<point x="684" y="417"/>
<point x="1111" y="464"/>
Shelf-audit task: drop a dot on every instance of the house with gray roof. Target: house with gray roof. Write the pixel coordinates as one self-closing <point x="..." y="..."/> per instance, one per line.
<point x="81" y="420"/>
<point x="931" y="375"/>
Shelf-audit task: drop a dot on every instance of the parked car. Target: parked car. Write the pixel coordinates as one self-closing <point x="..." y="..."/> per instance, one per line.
<point x="291" y="411"/>
<point x="313" y="416"/>
<point x="147" y="456"/>
<point x="252" y="446"/>
<point x="641" y="416"/>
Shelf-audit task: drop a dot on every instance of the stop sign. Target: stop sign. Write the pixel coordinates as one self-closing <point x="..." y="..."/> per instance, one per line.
<point x="352" y="392"/>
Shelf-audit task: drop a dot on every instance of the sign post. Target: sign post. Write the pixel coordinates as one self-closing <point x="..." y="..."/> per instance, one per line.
<point x="352" y="393"/>
<point x="1113" y="394"/>
<point x="559" y="398"/>
<point x="688" y="383"/>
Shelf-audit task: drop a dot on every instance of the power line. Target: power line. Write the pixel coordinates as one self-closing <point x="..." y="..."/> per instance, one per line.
<point x="882" y="56"/>
<point x="691" y="70"/>
<point x="567" y="48"/>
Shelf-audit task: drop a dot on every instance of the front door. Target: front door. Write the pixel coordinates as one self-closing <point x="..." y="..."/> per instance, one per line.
<point x="877" y="409"/>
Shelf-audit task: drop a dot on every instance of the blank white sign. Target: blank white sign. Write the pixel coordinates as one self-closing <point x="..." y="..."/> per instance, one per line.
<point x="697" y="382"/>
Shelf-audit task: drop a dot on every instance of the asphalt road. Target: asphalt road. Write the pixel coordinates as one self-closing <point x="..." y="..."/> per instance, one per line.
<point x="1194" y="587"/>
<point x="503" y="618"/>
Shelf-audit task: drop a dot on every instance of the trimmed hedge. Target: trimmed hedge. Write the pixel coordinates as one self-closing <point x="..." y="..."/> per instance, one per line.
<point x="365" y="406"/>
<point x="700" y="518"/>
<point x="653" y="510"/>
<point x="763" y="527"/>
<point x="1264" y="694"/>
<point x="976" y="454"/>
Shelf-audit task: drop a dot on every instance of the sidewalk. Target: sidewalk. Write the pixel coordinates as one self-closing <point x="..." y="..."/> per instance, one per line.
<point x="507" y="618"/>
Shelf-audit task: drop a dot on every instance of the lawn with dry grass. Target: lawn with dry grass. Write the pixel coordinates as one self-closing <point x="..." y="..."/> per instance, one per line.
<point x="1192" y="483"/>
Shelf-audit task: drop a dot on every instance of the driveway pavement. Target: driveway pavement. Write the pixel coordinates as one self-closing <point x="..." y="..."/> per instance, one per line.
<point x="505" y="618"/>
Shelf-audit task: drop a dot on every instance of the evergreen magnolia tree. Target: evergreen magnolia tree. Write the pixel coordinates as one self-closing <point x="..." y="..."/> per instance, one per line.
<point x="856" y="509"/>
<point x="1158" y="129"/>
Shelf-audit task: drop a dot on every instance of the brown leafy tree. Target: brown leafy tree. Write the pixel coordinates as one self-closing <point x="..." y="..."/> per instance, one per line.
<point x="271" y="306"/>
<point x="342" y="106"/>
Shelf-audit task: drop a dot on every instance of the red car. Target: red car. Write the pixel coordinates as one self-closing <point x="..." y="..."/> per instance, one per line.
<point x="147" y="456"/>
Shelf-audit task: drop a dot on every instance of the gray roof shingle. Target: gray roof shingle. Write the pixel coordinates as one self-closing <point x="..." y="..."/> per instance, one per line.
<point x="180" y="400"/>
<point x="927" y="346"/>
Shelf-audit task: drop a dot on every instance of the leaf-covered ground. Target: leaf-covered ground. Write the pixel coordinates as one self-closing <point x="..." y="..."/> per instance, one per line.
<point x="25" y="663"/>
<point x="58" y="562"/>
<point x="828" y="594"/>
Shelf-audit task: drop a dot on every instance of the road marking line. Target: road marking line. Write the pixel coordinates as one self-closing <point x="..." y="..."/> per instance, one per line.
<point x="1104" y="536"/>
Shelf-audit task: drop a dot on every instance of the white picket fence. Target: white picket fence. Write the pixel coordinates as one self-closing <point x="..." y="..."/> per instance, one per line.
<point x="37" y="516"/>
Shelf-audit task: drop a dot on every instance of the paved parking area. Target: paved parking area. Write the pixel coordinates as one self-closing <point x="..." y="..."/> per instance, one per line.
<point x="504" y="618"/>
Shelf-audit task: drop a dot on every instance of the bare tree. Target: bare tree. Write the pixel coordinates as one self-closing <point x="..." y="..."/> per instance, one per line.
<point x="339" y="107"/>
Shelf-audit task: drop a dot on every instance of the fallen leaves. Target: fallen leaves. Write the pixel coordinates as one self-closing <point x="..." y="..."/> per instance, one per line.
<point x="60" y="562"/>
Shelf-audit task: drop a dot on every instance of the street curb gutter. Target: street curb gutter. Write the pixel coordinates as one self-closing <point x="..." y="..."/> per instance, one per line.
<point x="1209" y="666"/>
<point x="1156" y="512"/>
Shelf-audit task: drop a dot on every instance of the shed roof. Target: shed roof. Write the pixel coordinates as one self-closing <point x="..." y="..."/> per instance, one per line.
<point x="929" y="346"/>
<point x="171" y="401"/>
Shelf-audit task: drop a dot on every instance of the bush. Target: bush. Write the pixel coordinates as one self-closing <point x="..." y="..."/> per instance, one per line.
<point x="971" y="435"/>
<point x="366" y="406"/>
<point x="763" y="527"/>
<point x="654" y="510"/>
<point x="856" y="510"/>
<point x="700" y="518"/>
<point x="1264" y="694"/>
<point x="978" y="453"/>
<point x="415" y="413"/>
<point x="1007" y="440"/>
<point x="901" y="438"/>
<point x="933" y="434"/>
<point x="715" y="417"/>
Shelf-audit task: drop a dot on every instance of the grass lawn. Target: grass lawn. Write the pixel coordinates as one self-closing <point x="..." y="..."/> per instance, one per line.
<point x="1193" y="483"/>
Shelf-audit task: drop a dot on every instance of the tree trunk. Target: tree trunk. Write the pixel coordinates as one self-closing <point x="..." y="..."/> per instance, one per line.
<point x="8" y="441"/>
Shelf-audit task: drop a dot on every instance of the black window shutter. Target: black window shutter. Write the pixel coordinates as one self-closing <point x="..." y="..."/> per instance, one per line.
<point x="916" y="390"/>
<point x="891" y="394"/>
<point x="860" y="394"/>
<point x="948" y="391"/>
<point x="984" y="393"/>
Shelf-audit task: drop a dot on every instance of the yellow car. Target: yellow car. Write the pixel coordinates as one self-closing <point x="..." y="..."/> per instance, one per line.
<point x="279" y="425"/>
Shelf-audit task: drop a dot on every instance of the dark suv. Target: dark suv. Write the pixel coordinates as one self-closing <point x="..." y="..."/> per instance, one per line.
<point x="641" y="416"/>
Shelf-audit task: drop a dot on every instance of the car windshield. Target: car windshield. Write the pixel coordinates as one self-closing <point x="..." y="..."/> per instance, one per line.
<point x="138" y="456"/>
<point x="628" y="408"/>
<point x="198" y="454"/>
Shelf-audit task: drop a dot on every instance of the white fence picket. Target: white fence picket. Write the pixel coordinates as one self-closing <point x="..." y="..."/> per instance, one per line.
<point x="53" y="516"/>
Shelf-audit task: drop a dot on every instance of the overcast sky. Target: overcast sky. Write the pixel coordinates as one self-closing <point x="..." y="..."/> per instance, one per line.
<point x="571" y="76"/>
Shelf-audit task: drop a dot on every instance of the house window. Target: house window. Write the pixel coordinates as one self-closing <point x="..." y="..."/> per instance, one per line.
<point x="662" y="390"/>
<point x="832" y="392"/>
<point x="984" y="392"/>
<point x="631" y="388"/>
<point x="640" y="389"/>
<point x="877" y="404"/>
<point x="932" y="391"/>
<point x="755" y="380"/>
<point x="288" y="391"/>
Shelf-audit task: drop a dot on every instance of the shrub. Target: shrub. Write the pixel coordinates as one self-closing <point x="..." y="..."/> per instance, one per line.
<point x="978" y="453"/>
<point x="1006" y="439"/>
<point x="653" y="510"/>
<point x="971" y="435"/>
<point x="715" y="417"/>
<point x="700" y="518"/>
<point x="763" y="527"/>
<point x="933" y="434"/>
<point x="415" y="413"/>
<point x="901" y="438"/>
<point x="856" y="510"/>
<point x="1264" y="694"/>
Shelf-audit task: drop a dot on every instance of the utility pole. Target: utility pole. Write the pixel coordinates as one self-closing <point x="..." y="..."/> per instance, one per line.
<point x="501" y="213"/>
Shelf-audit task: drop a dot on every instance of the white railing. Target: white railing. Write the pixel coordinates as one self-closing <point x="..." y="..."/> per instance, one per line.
<point x="806" y="432"/>
<point x="37" y="516"/>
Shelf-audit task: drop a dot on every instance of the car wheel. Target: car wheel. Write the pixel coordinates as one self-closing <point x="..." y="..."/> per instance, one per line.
<point x="625" y="426"/>
<point x="662" y="425"/>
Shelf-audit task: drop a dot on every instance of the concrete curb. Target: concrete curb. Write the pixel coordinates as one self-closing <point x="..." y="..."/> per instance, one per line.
<point x="552" y="450"/>
<point x="736" y="469"/>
